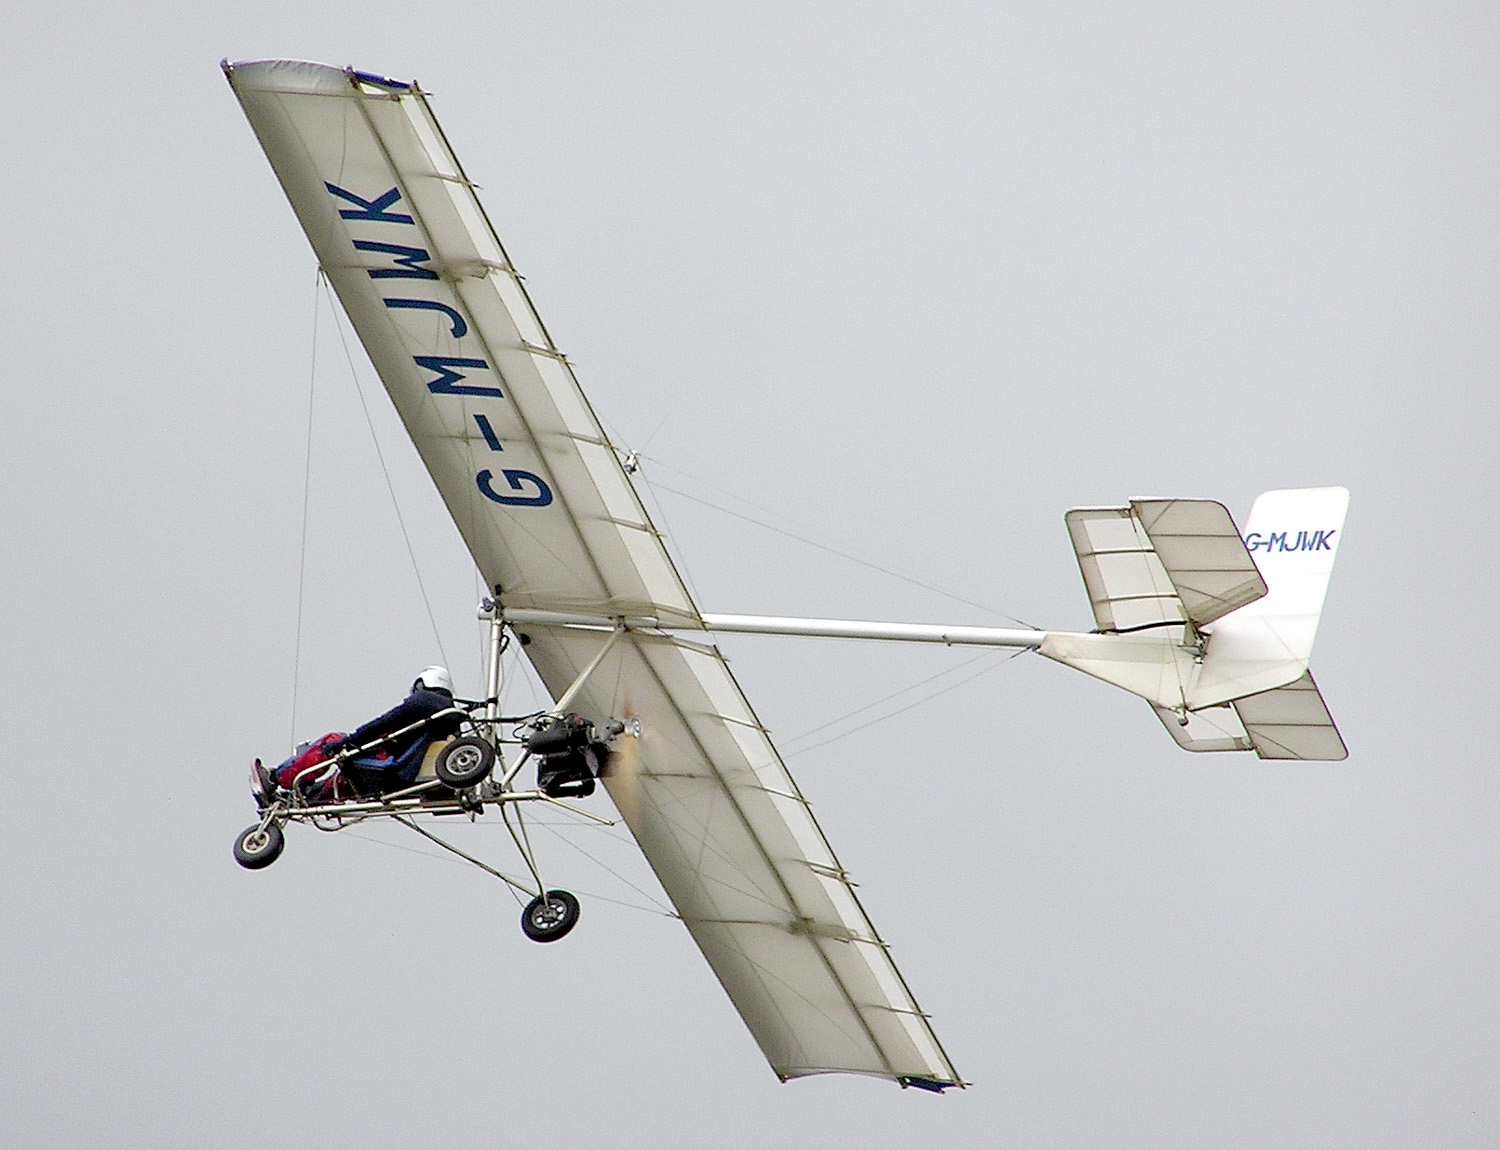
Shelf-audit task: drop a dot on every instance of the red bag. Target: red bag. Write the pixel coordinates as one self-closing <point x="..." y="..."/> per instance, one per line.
<point x="316" y="753"/>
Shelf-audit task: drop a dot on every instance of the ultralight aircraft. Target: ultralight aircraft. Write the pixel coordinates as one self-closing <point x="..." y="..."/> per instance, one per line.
<point x="1213" y="628"/>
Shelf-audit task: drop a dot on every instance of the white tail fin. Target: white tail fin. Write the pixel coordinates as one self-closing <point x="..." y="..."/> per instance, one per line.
<point x="1224" y="680"/>
<point x="1293" y="536"/>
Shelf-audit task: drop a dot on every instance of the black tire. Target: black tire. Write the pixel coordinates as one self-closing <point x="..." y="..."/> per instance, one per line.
<point x="465" y="761"/>
<point x="547" y="920"/>
<point x="257" y="848"/>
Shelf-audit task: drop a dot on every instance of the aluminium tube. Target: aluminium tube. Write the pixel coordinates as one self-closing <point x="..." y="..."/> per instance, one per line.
<point x="813" y="628"/>
<point x="860" y="629"/>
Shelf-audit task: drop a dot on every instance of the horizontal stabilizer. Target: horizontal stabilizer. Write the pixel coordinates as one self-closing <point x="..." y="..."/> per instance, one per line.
<point x="1291" y="722"/>
<point x="1212" y="729"/>
<point x="1203" y="554"/>
<point x="1162" y="561"/>
<point x="1127" y="585"/>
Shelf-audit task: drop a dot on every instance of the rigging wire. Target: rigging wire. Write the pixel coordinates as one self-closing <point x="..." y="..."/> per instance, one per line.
<point x="653" y="487"/>
<point x="312" y="382"/>
<point x="637" y="455"/>
<point x="606" y="867"/>
<point x="887" y="698"/>
<point x="908" y="707"/>
<point x="894" y="573"/>
<point x="661" y="513"/>
<point x="630" y="459"/>
<point x="448" y="858"/>
<point x="391" y="487"/>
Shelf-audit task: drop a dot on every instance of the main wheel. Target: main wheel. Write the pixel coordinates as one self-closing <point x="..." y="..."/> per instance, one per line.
<point x="465" y="761"/>
<point x="548" y="919"/>
<point x="259" y="846"/>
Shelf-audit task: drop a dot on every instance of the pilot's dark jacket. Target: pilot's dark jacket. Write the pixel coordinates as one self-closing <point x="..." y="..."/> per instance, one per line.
<point x="420" y="704"/>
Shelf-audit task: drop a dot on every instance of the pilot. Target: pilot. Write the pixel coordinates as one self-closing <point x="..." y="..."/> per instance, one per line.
<point x="391" y="765"/>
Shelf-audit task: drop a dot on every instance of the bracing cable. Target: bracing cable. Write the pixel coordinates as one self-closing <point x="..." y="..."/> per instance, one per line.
<point x="447" y="846"/>
<point x="448" y="858"/>
<point x="555" y="829"/>
<point x="602" y="865"/>
<point x="842" y="554"/>
<point x="902" y="710"/>
<point x="391" y="487"/>
<point x="886" y="699"/>
<point x="312" y="381"/>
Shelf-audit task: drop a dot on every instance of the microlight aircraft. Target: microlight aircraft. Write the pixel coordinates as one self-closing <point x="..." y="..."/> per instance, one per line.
<point x="1212" y="628"/>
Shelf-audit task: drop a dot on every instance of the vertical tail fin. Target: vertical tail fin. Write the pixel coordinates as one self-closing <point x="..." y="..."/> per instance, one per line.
<point x="1293" y="536"/>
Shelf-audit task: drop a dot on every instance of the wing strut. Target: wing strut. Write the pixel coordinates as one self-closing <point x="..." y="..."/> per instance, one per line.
<point x="583" y="676"/>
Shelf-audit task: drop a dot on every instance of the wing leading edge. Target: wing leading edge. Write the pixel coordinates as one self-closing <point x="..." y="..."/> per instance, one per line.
<point x="553" y="522"/>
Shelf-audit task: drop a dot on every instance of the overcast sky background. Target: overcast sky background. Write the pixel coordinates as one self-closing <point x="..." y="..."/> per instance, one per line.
<point x="910" y="280"/>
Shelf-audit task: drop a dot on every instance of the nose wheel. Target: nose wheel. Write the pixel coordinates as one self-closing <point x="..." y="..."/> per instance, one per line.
<point x="259" y="846"/>
<point x="549" y="916"/>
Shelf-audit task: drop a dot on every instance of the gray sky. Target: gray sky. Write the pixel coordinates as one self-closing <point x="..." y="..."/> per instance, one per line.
<point x="913" y="280"/>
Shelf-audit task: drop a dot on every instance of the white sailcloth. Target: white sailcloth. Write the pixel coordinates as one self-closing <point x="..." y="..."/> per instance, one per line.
<point x="553" y="523"/>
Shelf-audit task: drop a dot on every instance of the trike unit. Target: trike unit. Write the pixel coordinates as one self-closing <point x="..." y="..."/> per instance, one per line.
<point x="435" y="775"/>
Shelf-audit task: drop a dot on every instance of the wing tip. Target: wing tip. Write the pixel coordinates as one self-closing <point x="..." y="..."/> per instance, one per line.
<point x="931" y="1085"/>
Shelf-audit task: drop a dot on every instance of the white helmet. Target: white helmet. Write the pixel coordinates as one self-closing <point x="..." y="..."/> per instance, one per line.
<point x="435" y="679"/>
